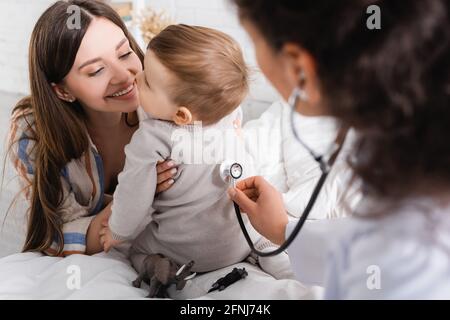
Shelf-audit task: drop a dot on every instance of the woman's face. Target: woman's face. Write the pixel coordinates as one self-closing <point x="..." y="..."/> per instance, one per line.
<point x="274" y="67"/>
<point x="283" y="69"/>
<point x="103" y="75"/>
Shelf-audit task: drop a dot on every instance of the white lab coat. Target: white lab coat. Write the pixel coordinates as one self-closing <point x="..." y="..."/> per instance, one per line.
<point x="285" y="164"/>
<point x="403" y="255"/>
<point x="394" y="257"/>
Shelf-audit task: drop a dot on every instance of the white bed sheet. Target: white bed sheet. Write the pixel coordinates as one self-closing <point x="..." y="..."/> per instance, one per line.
<point x="109" y="276"/>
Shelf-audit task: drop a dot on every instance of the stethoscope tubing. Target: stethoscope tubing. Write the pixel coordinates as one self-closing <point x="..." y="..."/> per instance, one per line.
<point x="324" y="166"/>
<point x="297" y="228"/>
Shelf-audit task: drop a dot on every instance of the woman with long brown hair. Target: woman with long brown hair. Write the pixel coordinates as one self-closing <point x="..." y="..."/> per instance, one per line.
<point x="67" y="138"/>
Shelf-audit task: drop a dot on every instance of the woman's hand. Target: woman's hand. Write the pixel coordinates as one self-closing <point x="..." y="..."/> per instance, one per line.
<point x="106" y="239"/>
<point x="166" y="170"/>
<point x="93" y="244"/>
<point x="264" y="206"/>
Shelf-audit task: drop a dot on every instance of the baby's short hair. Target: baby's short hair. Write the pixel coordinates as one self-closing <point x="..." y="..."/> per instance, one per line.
<point x="211" y="75"/>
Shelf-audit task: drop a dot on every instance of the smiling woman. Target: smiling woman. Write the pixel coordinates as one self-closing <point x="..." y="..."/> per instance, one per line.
<point x="104" y="69"/>
<point x="67" y="138"/>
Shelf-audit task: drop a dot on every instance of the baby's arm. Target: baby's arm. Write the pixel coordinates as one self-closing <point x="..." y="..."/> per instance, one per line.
<point x="136" y="189"/>
<point x="133" y="197"/>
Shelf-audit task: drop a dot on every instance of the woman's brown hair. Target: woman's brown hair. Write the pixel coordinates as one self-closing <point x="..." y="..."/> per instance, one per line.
<point x="391" y="84"/>
<point x="211" y="75"/>
<point x="58" y="129"/>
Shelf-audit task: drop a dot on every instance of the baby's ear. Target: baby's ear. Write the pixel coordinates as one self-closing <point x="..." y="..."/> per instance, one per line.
<point x="182" y="116"/>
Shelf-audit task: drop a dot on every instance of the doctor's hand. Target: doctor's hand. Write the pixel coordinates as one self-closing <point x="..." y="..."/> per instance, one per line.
<point x="264" y="206"/>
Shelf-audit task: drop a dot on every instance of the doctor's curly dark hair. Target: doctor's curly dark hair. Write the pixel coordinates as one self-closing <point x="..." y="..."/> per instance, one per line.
<point x="391" y="84"/>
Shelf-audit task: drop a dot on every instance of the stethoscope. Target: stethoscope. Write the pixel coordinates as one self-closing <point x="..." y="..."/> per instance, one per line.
<point x="231" y="171"/>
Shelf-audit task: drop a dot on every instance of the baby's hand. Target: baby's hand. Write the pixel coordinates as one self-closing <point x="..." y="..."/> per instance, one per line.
<point x="106" y="239"/>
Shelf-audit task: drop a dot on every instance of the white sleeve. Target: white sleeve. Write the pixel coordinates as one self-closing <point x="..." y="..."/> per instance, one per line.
<point x="308" y="252"/>
<point x="338" y="198"/>
<point x="394" y="260"/>
<point x="136" y="189"/>
<point x="263" y="142"/>
<point x="339" y="194"/>
<point x="287" y="166"/>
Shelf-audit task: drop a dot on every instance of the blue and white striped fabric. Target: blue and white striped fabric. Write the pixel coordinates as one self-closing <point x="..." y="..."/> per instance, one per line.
<point x="82" y="181"/>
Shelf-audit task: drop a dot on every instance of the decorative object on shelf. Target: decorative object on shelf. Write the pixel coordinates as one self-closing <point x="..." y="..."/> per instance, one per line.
<point x="123" y="8"/>
<point x="152" y="22"/>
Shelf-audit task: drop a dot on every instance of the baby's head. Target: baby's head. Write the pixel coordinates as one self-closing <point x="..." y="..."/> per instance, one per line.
<point x="192" y="74"/>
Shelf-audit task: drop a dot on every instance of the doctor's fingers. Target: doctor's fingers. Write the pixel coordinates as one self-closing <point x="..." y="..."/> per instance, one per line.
<point x="257" y="182"/>
<point x="246" y="204"/>
<point x="253" y="194"/>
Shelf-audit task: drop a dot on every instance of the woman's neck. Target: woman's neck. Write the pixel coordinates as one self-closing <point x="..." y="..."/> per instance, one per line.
<point x="99" y="121"/>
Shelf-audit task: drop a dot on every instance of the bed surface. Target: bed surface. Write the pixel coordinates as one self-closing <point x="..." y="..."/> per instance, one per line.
<point x="109" y="276"/>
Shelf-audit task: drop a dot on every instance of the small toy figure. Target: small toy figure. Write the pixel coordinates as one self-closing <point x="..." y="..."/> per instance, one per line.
<point x="229" y="279"/>
<point x="160" y="273"/>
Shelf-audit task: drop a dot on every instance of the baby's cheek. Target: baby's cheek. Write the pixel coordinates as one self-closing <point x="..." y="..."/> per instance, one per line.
<point x="140" y="89"/>
<point x="139" y="81"/>
<point x="149" y="105"/>
<point x="140" y="85"/>
<point x="141" y="94"/>
<point x="145" y="101"/>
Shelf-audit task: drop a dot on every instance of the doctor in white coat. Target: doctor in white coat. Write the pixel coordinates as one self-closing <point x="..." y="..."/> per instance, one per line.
<point x="383" y="71"/>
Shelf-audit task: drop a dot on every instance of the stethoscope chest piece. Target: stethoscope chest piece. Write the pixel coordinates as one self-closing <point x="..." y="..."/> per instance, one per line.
<point x="230" y="171"/>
